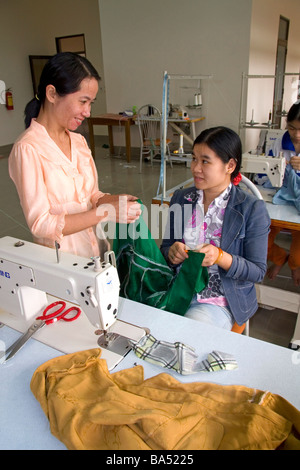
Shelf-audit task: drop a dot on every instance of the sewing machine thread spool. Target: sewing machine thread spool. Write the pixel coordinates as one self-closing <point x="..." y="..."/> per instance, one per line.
<point x="97" y="262"/>
<point x="197" y="99"/>
<point x="180" y="150"/>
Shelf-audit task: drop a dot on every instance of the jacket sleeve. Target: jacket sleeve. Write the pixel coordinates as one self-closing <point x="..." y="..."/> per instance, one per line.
<point x="249" y="259"/>
<point x="174" y="227"/>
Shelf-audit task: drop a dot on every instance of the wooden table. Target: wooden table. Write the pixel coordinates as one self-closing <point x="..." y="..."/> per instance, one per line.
<point x="111" y="120"/>
<point x="284" y="216"/>
<point x="173" y="122"/>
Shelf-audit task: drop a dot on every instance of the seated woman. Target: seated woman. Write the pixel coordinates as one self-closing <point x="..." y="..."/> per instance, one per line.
<point x="228" y="225"/>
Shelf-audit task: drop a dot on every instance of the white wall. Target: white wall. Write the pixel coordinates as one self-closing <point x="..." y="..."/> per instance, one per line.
<point x="29" y="27"/>
<point x="262" y="61"/>
<point x="141" y="39"/>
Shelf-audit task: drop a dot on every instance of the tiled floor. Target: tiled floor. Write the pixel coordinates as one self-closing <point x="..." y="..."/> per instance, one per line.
<point x="117" y="176"/>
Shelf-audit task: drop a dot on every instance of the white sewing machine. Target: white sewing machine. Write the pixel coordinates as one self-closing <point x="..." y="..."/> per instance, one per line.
<point x="28" y="272"/>
<point x="274" y="167"/>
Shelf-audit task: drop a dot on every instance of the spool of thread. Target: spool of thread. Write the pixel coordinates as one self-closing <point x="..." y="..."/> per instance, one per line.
<point x="180" y="144"/>
<point x="197" y="99"/>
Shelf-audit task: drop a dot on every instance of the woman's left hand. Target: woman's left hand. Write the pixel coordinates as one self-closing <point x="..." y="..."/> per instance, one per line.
<point x="121" y="208"/>
<point x="211" y="253"/>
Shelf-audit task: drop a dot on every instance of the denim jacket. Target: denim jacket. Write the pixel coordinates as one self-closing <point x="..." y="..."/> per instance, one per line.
<point x="244" y="236"/>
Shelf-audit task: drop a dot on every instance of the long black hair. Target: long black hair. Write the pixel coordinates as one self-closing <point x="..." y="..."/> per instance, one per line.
<point x="294" y="112"/>
<point x="65" y="71"/>
<point x="225" y="143"/>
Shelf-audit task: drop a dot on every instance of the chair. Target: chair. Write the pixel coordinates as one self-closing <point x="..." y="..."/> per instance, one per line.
<point x="244" y="328"/>
<point x="251" y="186"/>
<point x="149" y="122"/>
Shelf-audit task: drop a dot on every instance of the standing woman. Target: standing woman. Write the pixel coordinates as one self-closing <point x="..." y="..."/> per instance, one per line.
<point x="229" y="226"/>
<point x="289" y="145"/>
<point x="52" y="167"/>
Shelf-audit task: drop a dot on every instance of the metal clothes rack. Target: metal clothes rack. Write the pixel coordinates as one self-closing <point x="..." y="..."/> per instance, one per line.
<point x="164" y="122"/>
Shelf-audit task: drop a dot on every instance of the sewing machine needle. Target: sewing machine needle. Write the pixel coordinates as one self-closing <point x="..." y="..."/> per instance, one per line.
<point x="57" y="247"/>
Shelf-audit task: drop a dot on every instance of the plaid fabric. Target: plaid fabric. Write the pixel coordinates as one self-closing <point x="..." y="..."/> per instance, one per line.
<point x="217" y="360"/>
<point x="180" y="357"/>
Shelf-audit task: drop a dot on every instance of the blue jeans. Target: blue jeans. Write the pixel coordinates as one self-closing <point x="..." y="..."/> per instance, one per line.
<point x="212" y="314"/>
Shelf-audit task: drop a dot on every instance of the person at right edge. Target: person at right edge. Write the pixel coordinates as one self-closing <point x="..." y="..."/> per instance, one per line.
<point x="289" y="145"/>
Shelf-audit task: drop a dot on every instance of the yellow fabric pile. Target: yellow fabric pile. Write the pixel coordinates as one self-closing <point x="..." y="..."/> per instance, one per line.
<point x="90" y="408"/>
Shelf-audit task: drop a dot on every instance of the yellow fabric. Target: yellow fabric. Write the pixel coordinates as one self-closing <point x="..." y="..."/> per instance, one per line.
<point x="90" y="408"/>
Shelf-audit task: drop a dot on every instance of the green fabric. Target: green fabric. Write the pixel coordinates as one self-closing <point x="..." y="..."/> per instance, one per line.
<point x="145" y="275"/>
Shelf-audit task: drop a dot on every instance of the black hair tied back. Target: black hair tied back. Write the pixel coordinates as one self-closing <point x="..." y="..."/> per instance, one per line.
<point x="65" y="71"/>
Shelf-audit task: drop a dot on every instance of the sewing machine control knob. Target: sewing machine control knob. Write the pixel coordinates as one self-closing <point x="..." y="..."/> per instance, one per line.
<point x="91" y="293"/>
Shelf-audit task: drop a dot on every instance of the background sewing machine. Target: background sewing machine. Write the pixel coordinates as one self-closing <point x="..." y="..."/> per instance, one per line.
<point x="273" y="167"/>
<point x="29" y="273"/>
<point x="267" y="137"/>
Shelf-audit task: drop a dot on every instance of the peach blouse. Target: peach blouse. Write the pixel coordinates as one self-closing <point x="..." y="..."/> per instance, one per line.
<point x="50" y="185"/>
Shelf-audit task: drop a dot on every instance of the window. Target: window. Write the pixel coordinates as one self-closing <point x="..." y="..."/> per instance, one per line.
<point x="74" y="43"/>
<point x="282" y="43"/>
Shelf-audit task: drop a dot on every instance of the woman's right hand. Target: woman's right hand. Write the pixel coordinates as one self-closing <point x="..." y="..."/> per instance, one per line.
<point x="295" y="162"/>
<point x="177" y="253"/>
<point x="120" y="208"/>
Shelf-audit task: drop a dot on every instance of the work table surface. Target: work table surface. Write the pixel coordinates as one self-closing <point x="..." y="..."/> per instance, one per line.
<point x="261" y="365"/>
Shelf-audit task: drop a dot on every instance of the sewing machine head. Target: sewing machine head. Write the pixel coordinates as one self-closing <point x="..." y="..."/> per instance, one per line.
<point x="28" y="272"/>
<point x="274" y="167"/>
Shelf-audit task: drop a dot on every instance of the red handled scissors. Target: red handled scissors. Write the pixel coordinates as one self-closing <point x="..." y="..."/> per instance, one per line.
<point x="59" y="314"/>
<point x="45" y="319"/>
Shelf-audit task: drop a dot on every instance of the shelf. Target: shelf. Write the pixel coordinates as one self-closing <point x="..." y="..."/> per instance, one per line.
<point x="193" y="106"/>
<point x="243" y="104"/>
<point x="259" y="127"/>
